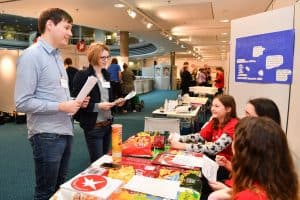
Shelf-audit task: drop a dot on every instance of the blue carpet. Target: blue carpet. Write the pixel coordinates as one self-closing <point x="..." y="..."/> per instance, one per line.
<point x="16" y="163"/>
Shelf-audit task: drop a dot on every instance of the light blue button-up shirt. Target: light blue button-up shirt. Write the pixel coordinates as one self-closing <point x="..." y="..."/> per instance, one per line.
<point x="39" y="90"/>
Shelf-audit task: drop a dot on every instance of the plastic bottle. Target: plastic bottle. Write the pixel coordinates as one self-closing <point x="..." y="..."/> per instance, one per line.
<point x="179" y="100"/>
<point x="116" y="142"/>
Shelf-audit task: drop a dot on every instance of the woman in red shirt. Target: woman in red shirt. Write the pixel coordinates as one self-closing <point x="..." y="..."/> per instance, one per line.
<point x="262" y="166"/>
<point x="216" y="137"/>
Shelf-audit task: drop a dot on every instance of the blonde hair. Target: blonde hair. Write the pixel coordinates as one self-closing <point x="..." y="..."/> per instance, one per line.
<point x="94" y="52"/>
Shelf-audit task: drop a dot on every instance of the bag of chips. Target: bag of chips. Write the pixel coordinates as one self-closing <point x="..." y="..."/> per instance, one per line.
<point x="138" y="146"/>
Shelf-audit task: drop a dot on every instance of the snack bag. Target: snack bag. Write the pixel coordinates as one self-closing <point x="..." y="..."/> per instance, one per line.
<point x="138" y="146"/>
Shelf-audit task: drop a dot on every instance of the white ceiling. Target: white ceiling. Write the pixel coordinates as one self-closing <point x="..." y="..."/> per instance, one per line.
<point x="196" y="22"/>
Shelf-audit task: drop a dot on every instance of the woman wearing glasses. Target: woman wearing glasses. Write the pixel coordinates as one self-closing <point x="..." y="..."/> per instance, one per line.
<point x="96" y="119"/>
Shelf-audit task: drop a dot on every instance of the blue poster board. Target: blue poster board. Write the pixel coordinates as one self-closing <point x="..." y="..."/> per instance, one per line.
<point x="265" y="58"/>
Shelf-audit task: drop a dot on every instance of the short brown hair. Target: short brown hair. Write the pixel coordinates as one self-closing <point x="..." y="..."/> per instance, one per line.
<point x="68" y="61"/>
<point x="94" y="52"/>
<point x="54" y="14"/>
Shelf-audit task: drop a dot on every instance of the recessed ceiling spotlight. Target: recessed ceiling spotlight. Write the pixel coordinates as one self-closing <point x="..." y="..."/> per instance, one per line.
<point x="119" y="5"/>
<point x="131" y="13"/>
<point x="149" y="25"/>
<point x="224" y="20"/>
<point x="225" y="33"/>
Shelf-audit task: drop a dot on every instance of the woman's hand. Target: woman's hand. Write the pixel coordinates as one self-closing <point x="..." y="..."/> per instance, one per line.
<point x="119" y="102"/>
<point x="216" y="185"/>
<point x="173" y="136"/>
<point x="105" y="105"/>
<point x="177" y="145"/>
<point x="222" y="161"/>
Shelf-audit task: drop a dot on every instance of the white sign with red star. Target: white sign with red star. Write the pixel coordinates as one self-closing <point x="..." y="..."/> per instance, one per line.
<point x="92" y="185"/>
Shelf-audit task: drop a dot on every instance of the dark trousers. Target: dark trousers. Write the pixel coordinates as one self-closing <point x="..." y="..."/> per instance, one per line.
<point x="98" y="141"/>
<point x="51" y="153"/>
<point x="116" y="89"/>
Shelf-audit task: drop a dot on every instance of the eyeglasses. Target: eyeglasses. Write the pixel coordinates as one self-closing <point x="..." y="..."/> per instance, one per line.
<point x="104" y="57"/>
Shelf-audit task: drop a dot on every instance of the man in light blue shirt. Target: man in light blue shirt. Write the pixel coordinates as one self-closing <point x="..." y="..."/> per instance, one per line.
<point x="42" y="93"/>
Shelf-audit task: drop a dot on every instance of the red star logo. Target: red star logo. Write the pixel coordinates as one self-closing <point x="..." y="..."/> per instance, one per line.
<point x="89" y="183"/>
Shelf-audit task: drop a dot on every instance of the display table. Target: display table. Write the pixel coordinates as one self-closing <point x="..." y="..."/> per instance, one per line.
<point x="178" y="172"/>
<point x="202" y="90"/>
<point x="187" y="119"/>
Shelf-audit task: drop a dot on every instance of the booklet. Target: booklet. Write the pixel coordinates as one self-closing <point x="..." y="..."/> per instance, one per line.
<point x="87" y="87"/>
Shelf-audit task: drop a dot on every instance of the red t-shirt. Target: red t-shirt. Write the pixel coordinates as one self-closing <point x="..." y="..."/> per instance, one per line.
<point x="257" y="194"/>
<point x="211" y="135"/>
<point x="219" y="80"/>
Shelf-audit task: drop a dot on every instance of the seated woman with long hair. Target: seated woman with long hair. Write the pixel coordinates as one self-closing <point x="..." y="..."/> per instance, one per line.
<point x="262" y="165"/>
<point x="258" y="107"/>
<point x="216" y="137"/>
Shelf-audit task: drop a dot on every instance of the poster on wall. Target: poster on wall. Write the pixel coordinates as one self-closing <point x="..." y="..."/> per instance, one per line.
<point x="265" y="58"/>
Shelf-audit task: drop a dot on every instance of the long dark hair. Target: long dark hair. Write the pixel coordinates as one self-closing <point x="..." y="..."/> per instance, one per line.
<point x="228" y="102"/>
<point x="266" y="107"/>
<point x="262" y="160"/>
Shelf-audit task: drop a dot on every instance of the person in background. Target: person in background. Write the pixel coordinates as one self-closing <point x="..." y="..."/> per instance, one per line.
<point x="262" y="165"/>
<point x="194" y="75"/>
<point x="41" y="91"/>
<point x="71" y="71"/>
<point x="186" y="79"/>
<point x="208" y="75"/>
<point x="216" y="137"/>
<point x="201" y="77"/>
<point x="115" y="78"/>
<point x="96" y="118"/>
<point x="219" y="82"/>
<point x="127" y="84"/>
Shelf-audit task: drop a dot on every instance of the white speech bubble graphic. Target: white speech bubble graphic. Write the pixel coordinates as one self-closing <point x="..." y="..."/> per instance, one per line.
<point x="282" y="74"/>
<point x="257" y="51"/>
<point x="274" y="61"/>
<point x="260" y="72"/>
<point x="242" y="60"/>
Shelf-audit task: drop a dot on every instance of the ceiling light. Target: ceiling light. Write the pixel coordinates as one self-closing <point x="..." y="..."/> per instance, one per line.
<point x="224" y="20"/>
<point x="149" y="25"/>
<point x="170" y="37"/>
<point x="182" y="46"/>
<point x="131" y="13"/>
<point x="188" y="39"/>
<point x="224" y="33"/>
<point x="119" y="5"/>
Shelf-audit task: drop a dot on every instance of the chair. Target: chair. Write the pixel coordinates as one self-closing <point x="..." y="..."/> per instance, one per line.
<point x="162" y="124"/>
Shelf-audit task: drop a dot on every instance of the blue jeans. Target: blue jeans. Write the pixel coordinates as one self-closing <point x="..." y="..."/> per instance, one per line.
<point x="98" y="141"/>
<point x="51" y="153"/>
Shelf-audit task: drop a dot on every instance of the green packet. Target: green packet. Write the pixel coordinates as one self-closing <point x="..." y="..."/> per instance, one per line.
<point x="188" y="194"/>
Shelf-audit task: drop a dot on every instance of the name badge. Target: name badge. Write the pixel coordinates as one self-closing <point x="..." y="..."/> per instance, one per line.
<point x="64" y="83"/>
<point x="105" y="84"/>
